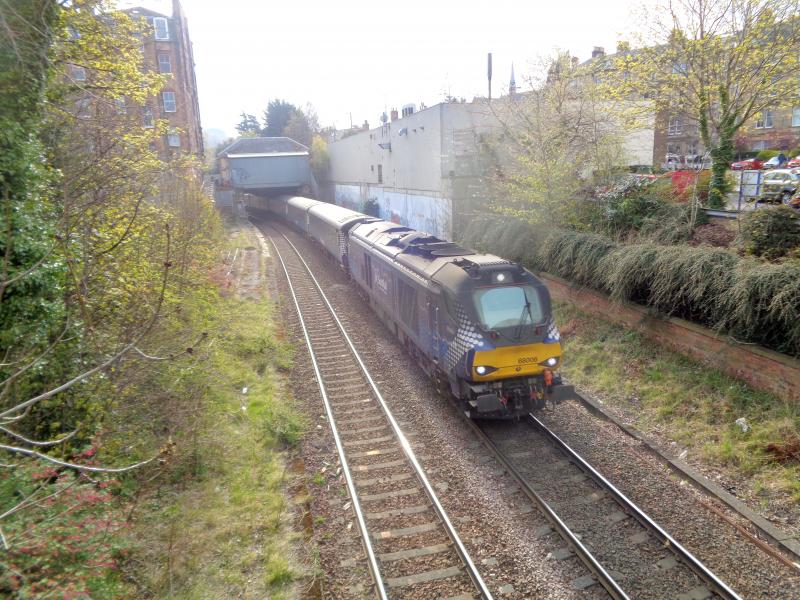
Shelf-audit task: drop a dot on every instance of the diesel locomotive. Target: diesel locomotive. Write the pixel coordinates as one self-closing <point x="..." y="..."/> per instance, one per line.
<point x="480" y="326"/>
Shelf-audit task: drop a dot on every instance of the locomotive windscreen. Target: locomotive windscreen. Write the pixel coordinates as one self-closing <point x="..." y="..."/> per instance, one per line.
<point x="507" y="306"/>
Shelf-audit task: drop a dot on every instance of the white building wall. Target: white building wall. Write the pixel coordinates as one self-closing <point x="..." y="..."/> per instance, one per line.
<point x="434" y="168"/>
<point x="411" y="191"/>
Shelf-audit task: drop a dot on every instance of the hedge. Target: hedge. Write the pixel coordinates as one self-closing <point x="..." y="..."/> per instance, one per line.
<point x="750" y="300"/>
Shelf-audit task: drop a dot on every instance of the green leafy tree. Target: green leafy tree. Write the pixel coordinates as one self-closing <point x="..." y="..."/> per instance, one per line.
<point x="249" y="125"/>
<point x="721" y="62"/>
<point x="302" y="126"/>
<point x="277" y="116"/>
<point x="320" y="158"/>
<point x="30" y="275"/>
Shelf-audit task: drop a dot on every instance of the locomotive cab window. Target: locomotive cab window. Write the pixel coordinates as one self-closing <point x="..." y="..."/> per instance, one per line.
<point x="508" y="306"/>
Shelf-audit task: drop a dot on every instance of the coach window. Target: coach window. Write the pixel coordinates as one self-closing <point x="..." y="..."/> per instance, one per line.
<point x="368" y="269"/>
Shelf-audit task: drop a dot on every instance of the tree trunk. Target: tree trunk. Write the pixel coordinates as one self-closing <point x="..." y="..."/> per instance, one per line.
<point x="721" y="156"/>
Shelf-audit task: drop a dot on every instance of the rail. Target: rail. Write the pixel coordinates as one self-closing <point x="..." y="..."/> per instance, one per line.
<point x="715" y="584"/>
<point x="460" y="549"/>
<point x="581" y="551"/>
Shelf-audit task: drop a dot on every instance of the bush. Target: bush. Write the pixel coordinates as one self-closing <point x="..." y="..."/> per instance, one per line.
<point x="767" y="154"/>
<point x="771" y="232"/>
<point x="372" y="208"/>
<point x="744" y="297"/>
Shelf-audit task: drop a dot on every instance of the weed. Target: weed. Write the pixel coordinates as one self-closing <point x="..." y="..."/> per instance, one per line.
<point x="696" y="405"/>
<point x="218" y="529"/>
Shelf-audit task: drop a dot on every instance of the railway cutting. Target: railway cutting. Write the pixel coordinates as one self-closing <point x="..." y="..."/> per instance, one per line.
<point x="410" y="544"/>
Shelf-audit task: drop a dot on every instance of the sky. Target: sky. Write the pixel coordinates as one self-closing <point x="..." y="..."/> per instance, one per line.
<point x="354" y="59"/>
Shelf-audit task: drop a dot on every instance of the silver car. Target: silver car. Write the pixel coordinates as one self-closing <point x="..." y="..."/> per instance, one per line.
<point x="780" y="185"/>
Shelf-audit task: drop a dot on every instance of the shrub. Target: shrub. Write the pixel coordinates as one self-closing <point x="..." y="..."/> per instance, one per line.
<point x="771" y="232"/>
<point x="752" y="301"/>
<point x="763" y="305"/>
<point x="372" y="208"/>
<point x="794" y="152"/>
<point x="767" y="154"/>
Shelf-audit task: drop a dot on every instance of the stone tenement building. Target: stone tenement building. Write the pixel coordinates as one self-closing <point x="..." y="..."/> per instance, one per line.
<point x="168" y="49"/>
<point x="775" y="129"/>
<point x="676" y="133"/>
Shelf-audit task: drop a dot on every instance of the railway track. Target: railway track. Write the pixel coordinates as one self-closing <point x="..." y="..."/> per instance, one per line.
<point x="625" y="551"/>
<point x="411" y="546"/>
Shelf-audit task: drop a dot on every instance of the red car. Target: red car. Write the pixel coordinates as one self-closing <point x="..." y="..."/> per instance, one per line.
<point x="750" y="164"/>
<point x="795" y="162"/>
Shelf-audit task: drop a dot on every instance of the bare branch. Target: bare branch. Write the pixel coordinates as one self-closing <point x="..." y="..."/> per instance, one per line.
<point x="74" y="466"/>
<point x="65" y="386"/>
<point x="38" y="443"/>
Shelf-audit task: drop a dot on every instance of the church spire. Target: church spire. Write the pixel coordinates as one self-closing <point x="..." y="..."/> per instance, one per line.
<point x="512" y="85"/>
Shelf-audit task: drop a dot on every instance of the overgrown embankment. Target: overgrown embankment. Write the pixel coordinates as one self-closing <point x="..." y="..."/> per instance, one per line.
<point x="750" y="436"/>
<point x="748" y="299"/>
<point x="209" y="520"/>
<point x="216" y="523"/>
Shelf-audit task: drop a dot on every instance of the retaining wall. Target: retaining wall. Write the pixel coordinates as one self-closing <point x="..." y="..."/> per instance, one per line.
<point x="761" y="368"/>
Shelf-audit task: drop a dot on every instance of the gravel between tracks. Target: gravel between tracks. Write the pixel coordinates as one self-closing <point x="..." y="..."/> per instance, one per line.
<point x="493" y="519"/>
<point x="673" y="504"/>
<point x="491" y="516"/>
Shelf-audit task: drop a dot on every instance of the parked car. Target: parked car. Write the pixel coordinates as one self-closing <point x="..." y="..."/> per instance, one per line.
<point x="776" y="162"/>
<point x="780" y="185"/>
<point x="747" y="165"/>
<point x="794" y="163"/>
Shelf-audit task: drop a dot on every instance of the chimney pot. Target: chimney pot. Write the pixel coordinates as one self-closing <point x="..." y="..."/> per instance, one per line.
<point x="598" y="51"/>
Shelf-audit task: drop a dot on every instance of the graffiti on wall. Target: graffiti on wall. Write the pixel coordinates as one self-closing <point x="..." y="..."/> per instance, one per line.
<point x="421" y="212"/>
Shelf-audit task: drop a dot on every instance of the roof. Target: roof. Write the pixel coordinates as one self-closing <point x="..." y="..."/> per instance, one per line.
<point x="260" y="146"/>
<point x="335" y="215"/>
<point x="141" y="10"/>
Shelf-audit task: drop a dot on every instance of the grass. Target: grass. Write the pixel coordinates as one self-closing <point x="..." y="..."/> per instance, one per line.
<point x="220" y="526"/>
<point x="686" y="401"/>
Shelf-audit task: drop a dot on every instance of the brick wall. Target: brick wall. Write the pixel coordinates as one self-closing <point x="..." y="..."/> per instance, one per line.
<point x="761" y="368"/>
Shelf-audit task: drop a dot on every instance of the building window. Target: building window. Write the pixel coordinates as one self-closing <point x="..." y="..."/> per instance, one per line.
<point x="169" y="101"/>
<point x="796" y="116"/>
<point x="173" y="140"/>
<point x="119" y="104"/>
<point x="760" y="145"/>
<point x="83" y="108"/>
<point x="679" y="69"/>
<point x="78" y="73"/>
<point x="673" y="148"/>
<point x="380" y="173"/>
<point x="675" y="126"/>
<point x="161" y="28"/>
<point x="764" y="121"/>
<point x="164" y="64"/>
<point x="147" y="117"/>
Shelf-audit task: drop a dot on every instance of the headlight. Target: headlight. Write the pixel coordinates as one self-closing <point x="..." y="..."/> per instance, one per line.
<point x="550" y="362"/>
<point x="484" y="370"/>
